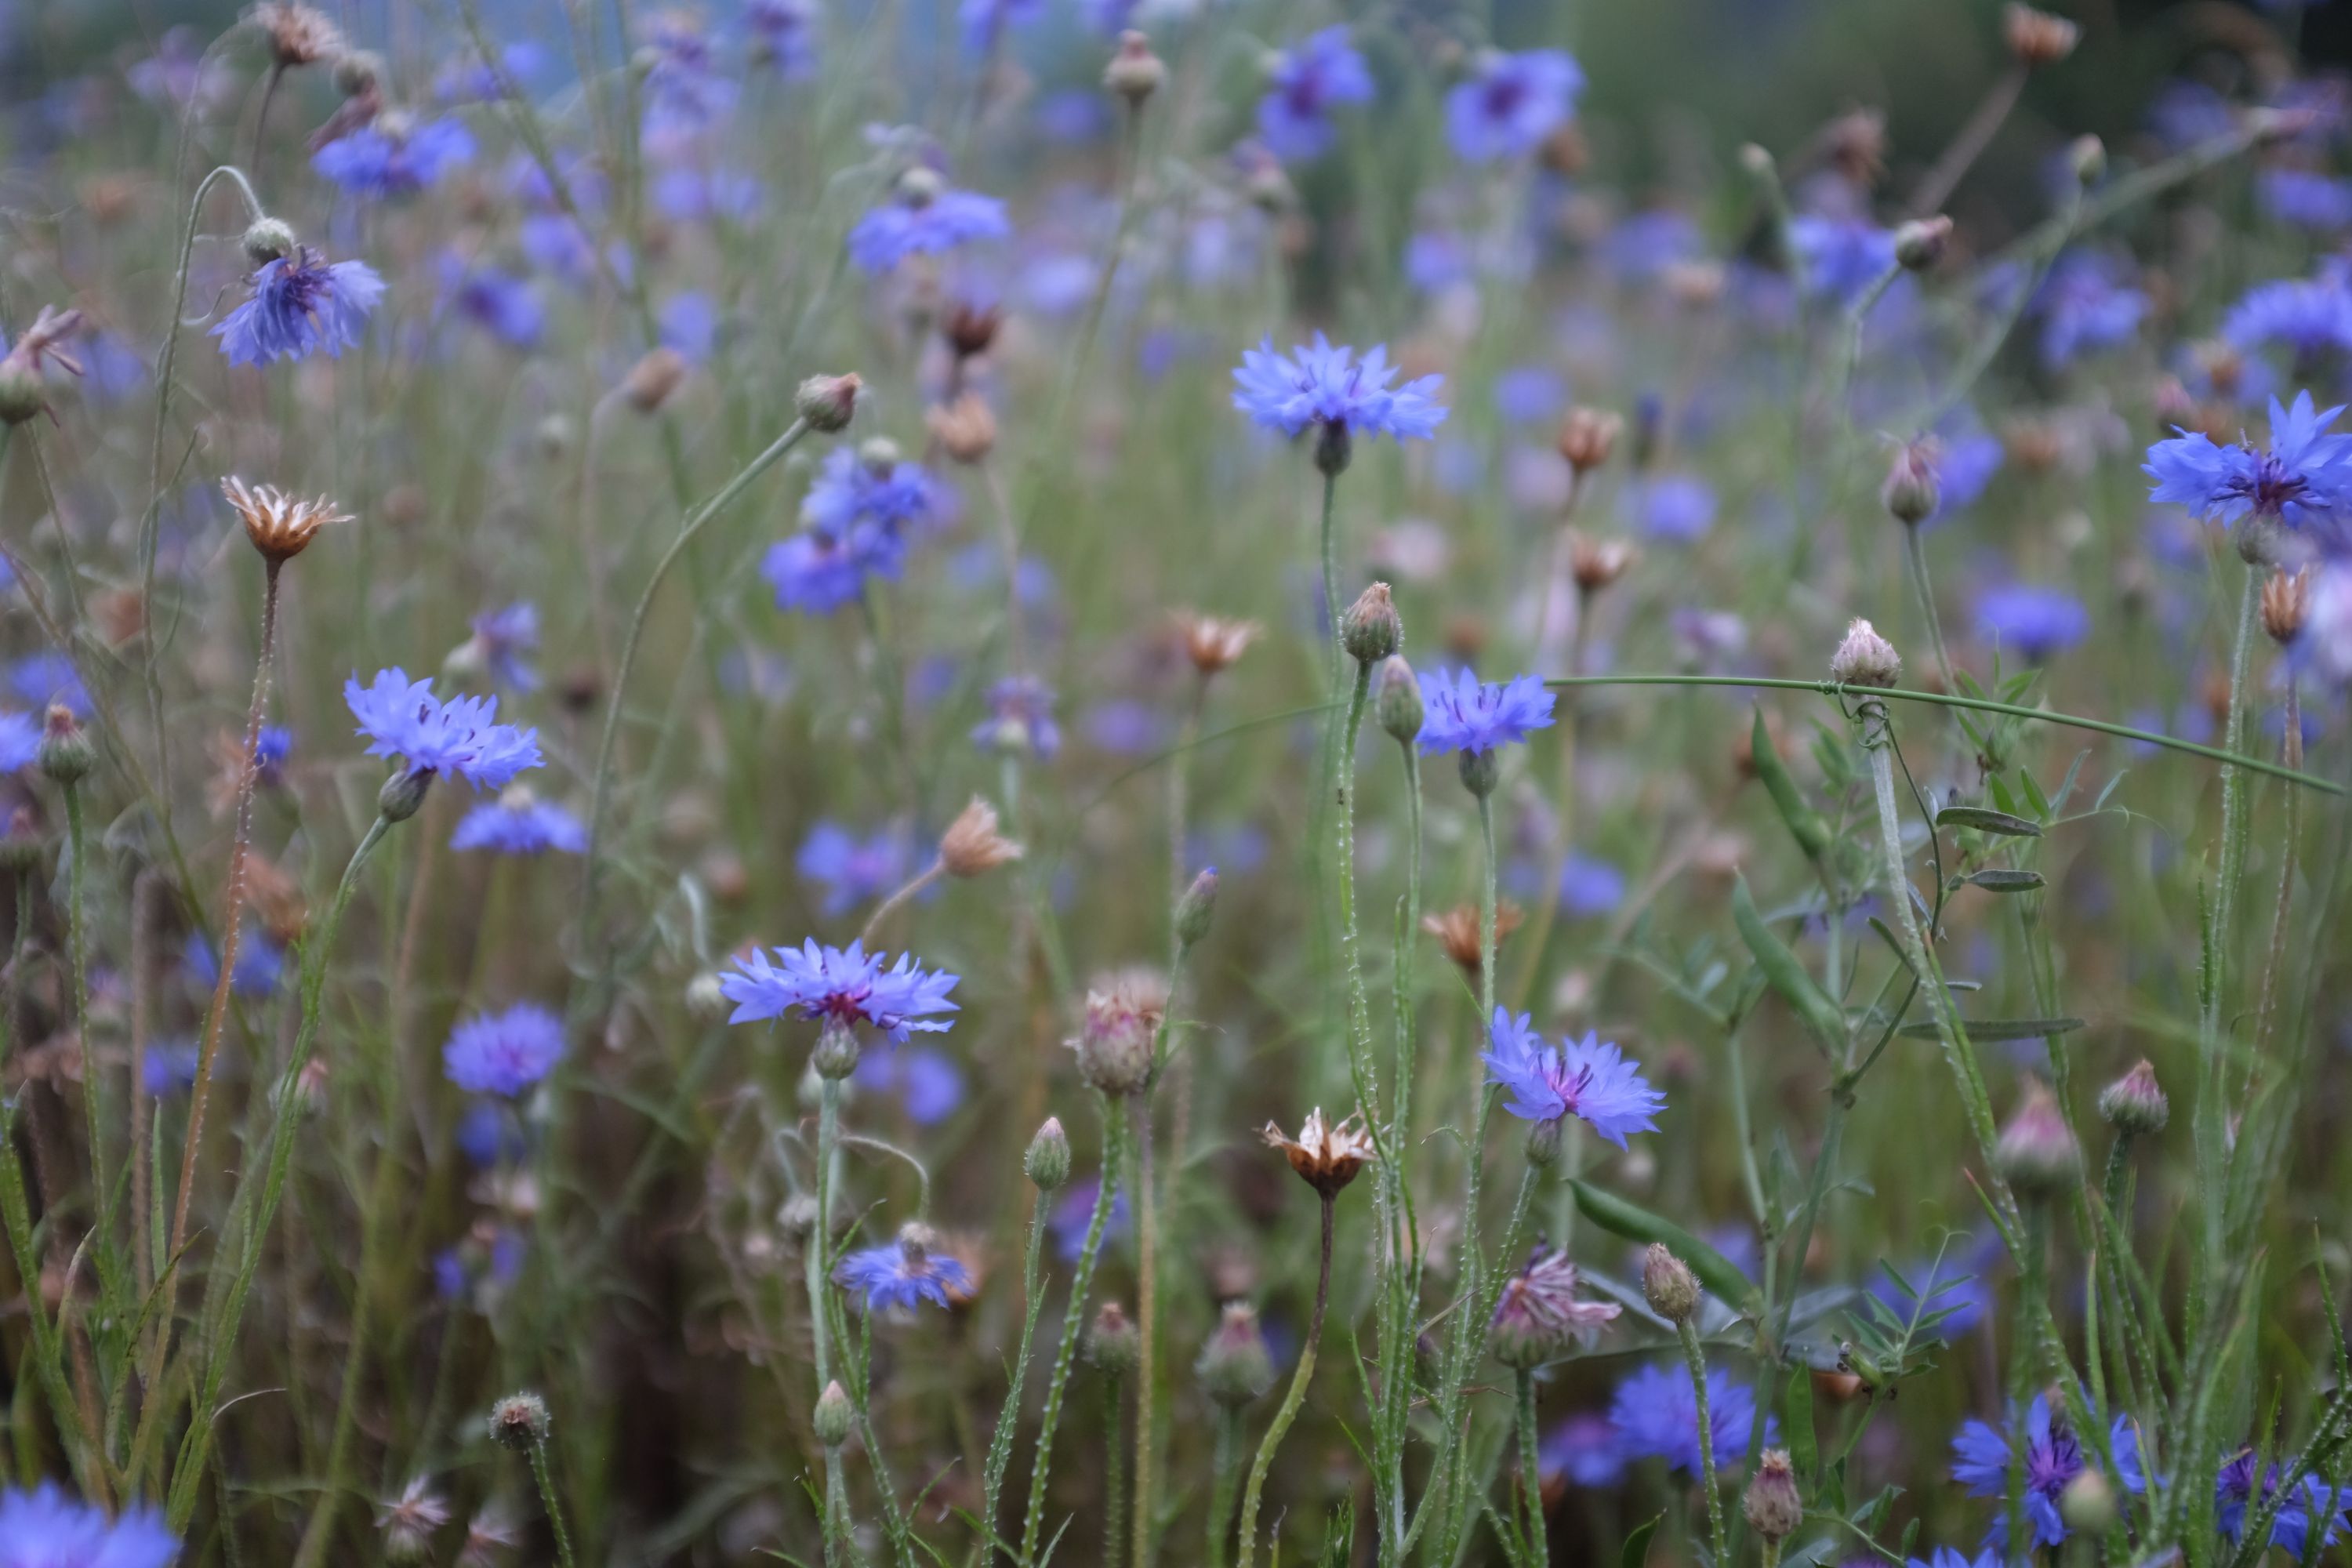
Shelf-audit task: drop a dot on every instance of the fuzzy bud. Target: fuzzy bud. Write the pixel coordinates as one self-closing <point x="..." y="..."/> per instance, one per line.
<point x="827" y="402"/>
<point x="358" y="71"/>
<point x="2037" y="39"/>
<point x="2036" y="1153"/>
<point x="65" y="754"/>
<point x="1668" y="1285"/>
<point x="1333" y="447"/>
<point x="2087" y="155"/>
<point x="836" y="1055"/>
<point x="1543" y="1140"/>
<point x="2135" y="1105"/>
<point x="706" y="1002"/>
<point x="1047" y="1162"/>
<point x="1114" y="1345"/>
<point x="402" y="794"/>
<point x="1116" y="1042"/>
<point x="269" y="240"/>
<point x="1866" y="658"/>
<point x="1912" y="492"/>
<point x="1920" y="244"/>
<point x="970" y="329"/>
<point x="1235" y="1366"/>
<point x="972" y="847"/>
<point x="519" y="1422"/>
<point x="1396" y="699"/>
<point x="1587" y="436"/>
<point x="2088" y="1503"/>
<point x="1195" y="908"/>
<point x="835" y="1415"/>
<point x="1481" y="772"/>
<point x="22" y="394"/>
<point x="1370" y="630"/>
<point x="1772" y="1506"/>
<point x="1134" y="73"/>
<point x="1594" y="564"/>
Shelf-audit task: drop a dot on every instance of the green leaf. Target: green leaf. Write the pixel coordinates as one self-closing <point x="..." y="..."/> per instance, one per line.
<point x="1717" y="1272"/>
<point x="1986" y="821"/>
<point x="1823" y="1016"/>
<point x="1995" y="881"/>
<point x="1636" y="1550"/>
<point x="1984" y="1031"/>
<point x="1803" y="1451"/>
<point x="1804" y="825"/>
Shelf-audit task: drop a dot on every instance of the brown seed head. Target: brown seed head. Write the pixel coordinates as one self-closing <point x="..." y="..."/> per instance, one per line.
<point x="298" y="35"/>
<point x="280" y="526"/>
<point x="965" y="429"/>
<point x="1587" y="436"/>
<point x="2287" y="600"/>
<point x="1597" y="562"/>
<point x="1327" y="1155"/>
<point x="1456" y="930"/>
<point x="972" y="847"/>
<point x="1213" y="645"/>
<point x="652" y="379"/>
<point x="2036" y="38"/>
<point x="1855" y="146"/>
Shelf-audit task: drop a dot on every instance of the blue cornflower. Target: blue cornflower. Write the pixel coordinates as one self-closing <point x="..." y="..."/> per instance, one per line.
<point x="689" y="323"/>
<point x="871" y="486"/>
<point x="259" y="963"/>
<point x="499" y="302"/>
<point x="1945" y="1557"/>
<point x="301" y="303"/>
<point x="784" y="33"/>
<point x="272" y="746"/>
<point x="1656" y="1412"/>
<point x="2309" y="316"/>
<point x="1589" y="1078"/>
<point x="519" y="823"/>
<point x="1645" y="243"/>
<point x="1465" y="716"/>
<point x="1020" y="718"/>
<point x="1585" y="1450"/>
<point x="925" y="218"/>
<point x="985" y="21"/>
<point x="685" y="94"/>
<point x="487" y="1135"/>
<point x="2305" y="199"/>
<point x="45" y="1528"/>
<point x="1303" y="85"/>
<point x="469" y="79"/>
<point x="375" y="163"/>
<point x="1074" y="1212"/>
<point x="927" y="1083"/>
<point x="1590" y="886"/>
<point x="504" y="1053"/>
<point x="853" y="869"/>
<point x="2304" y="480"/>
<point x="170" y="1068"/>
<point x="505" y="640"/>
<point x="2233" y="1489"/>
<point x="1326" y="387"/>
<point x="1511" y="105"/>
<point x="2034" y="622"/>
<point x="2054" y="1456"/>
<point x="2325" y="645"/>
<point x="1531" y="393"/>
<point x="1840" y="256"/>
<point x="1677" y="508"/>
<point x="47" y="679"/>
<point x="840" y="985"/>
<point x="402" y="718"/>
<point x="20" y="742"/>
<point x="2083" y="303"/>
<point x="820" y="572"/>
<point x="902" y="1273"/>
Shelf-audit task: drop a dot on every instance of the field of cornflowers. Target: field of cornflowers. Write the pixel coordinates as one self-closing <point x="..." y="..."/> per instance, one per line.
<point x="1183" y="782"/>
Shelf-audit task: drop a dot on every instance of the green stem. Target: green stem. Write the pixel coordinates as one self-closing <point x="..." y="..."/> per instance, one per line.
<point x="1915" y="556"/>
<point x="1291" y="1400"/>
<point x="1695" y="1359"/>
<point x="93" y="1077"/>
<point x="1114" y="1477"/>
<point x="544" y="1475"/>
<point x="1221" y="1484"/>
<point x="1073" y="1317"/>
<point x="1531" y="1470"/>
<point x="1146" y="1247"/>
<point x="1008" y="1420"/>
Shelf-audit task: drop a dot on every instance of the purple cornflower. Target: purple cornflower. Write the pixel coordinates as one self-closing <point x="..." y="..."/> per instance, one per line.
<point x="498" y="302"/>
<point x="853" y="869"/>
<point x="469" y="79"/>
<point x="2325" y="645"/>
<point x="820" y="572"/>
<point x="2083" y="303"/>
<point x="2304" y="481"/>
<point x="1656" y="1412"/>
<point x="20" y="742"/>
<point x="2034" y="622"/>
<point x="1465" y="716"/>
<point x="868" y="486"/>
<point x="487" y="1135"/>
<point x="1303" y="83"/>
<point x="170" y="1068"/>
<point x="1511" y="103"/>
<point x="1644" y="244"/>
<point x="2307" y="200"/>
<point x="985" y="22"/>
<point x="927" y="1083"/>
<point x="259" y="963"/>
<point x="840" y="985"/>
<point x="1588" y="1079"/>
<point x="902" y="1273"/>
<point x="1840" y="256"/>
<point x="1076" y="1211"/>
<point x="1589" y="886"/>
<point x="301" y="303"/>
<point x="689" y="323"/>
<point x="2309" y="316"/>
<point x="784" y="34"/>
<point x="1585" y="1450"/>
<point x="685" y="95"/>
<point x="45" y="1528"/>
<point x="1678" y="509"/>
<point x="925" y="218"/>
<point x="504" y="1053"/>
<point x="505" y="640"/>
<point x="1945" y="1557"/>
<point x="1327" y="387"/>
<point x="377" y="163"/>
<point x="2233" y="1489"/>
<point x="1537" y="1312"/>
<point x="519" y="823"/>
<point x="2054" y="1456"/>
<point x="271" y="748"/>
<point x="1020" y="718"/>
<point x="47" y="678"/>
<point x="402" y="718"/>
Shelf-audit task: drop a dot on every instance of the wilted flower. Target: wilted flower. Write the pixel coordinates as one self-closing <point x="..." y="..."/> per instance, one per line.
<point x="410" y="1520"/>
<point x="301" y="303"/>
<point x="972" y="847"/>
<point x="280" y="526"/>
<point x="1215" y="645"/>
<point x="1327" y="1155"/>
<point x="903" y="1273"/>
<point x="1538" y="1314"/>
<point x="1456" y="930"/>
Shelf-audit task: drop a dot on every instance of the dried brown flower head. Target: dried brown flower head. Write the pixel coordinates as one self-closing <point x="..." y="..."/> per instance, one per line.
<point x="1854" y="144"/>
<point x="1456" y="930"/>
<point x="2286" y="600"/>
<point x="1327" y="1155"/>
<point x="1212" y="644"/>
<point x="298" y="35"/>
<point x="1597" y="562"/>
<point x="280" y="526"/>
<point x="653" y="378"/>
<point x="2037" y="39"/>
<point x="1587" y="436"/>
<point x="972" y="847"/>
<point x="965" y="429"/>
<point x="970" y="329"/>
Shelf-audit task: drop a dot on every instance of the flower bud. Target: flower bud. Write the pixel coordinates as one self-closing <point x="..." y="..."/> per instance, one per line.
<point x="1912" y="492"/>
<point x="1114" y="1345"/>
<point x="1865" y="658"/>
<point x="1543" y="1141"/>
<point x="1369" y="629"/>
<point x="23" y="395"/>
<point x="1334" y="446"/>
<point x="358" y="71"/>
<point x="1134" y="73"/>
<point x="1667" y="1283"/>
<point x="65" y="754"/>
<point x="1587" y="436"/>
<point x="269" y="240"/>
<point x="827" y="402"/>
<point x="653" y="378"/>
<point x="2037" y="39"/>
<point x="1396" y="699"/>
<point x="706" y="1002"/>
<point x="1772" y="1506"/>
<point x="1047" y="1162"/>
<point x="1195" y="908"/>
<point x="2088" y="1503"/>
<point x="2036" y="1153"/>
<point x="1594" y="564"/>
<point x="2087" y="155"/>
<point x="1116" y="1042"/>
<point x="402" y="794"/>
<point x="2135" y="1105"/>
<point x="520" y="1421"/>
<point x="835" y="1415"/>
<point x="965" y="429"/>
<point x="836" y="1055"/>
<point x="1235" y="1366"/>
<point x="1920" y="244"/>
<point x="1481" y="772"/>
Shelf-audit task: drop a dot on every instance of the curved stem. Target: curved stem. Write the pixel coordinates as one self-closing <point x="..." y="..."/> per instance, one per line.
<point x="1291" y="1400"/>
<point x="1695" y="1359"/>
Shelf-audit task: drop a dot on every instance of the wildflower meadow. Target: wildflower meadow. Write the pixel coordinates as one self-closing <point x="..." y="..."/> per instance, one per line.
<point x="1175" y="783"/>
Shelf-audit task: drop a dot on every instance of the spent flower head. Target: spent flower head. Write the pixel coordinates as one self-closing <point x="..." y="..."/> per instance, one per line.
<point x="280" y="526"/>
<point x="1539" y="1315"/>
<point x="1326" y="1154"/>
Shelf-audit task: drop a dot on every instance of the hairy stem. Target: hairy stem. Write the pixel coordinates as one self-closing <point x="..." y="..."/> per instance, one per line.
<point x="1291" y="1400"/>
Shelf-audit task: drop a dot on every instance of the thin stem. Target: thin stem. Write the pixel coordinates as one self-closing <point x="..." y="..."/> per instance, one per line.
<point x="1222" y="1470"/>
<point x="1974" y="137"/>
<point x="1291" y="1400"/>
<point x="1008" y="1420"/>
<point x="820" y="1243"/>
<point x="2206" y="1130"/>
<point x="1915" y="556"/>
<point x="1114" y="1470"/>
<point x="1072" y="1315"/>
<point x="899" y="900"/>
<point x="93" y="1077"/>
<point x="2275" y="963"/>
<point x="1531" y="1471"/>
<point x="544" y="1475"/>
<point x="1146" y="1247"/>
<point x="1695" y="1358"/>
